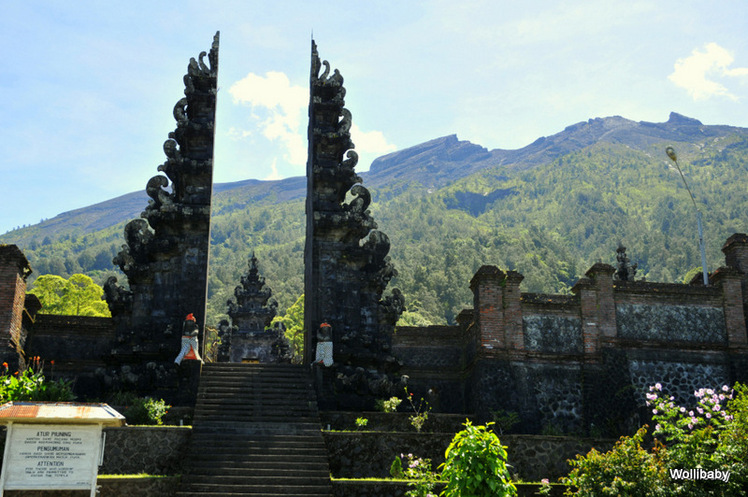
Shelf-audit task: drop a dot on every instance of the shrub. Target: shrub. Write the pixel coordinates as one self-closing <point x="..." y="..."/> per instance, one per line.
<point x="626" y="470"/>
<point x="389" y="405"/>
<point x="30" y="385"/>
<point x="710" y="437"/>
<point x="418" y="470"/>
<point x="476" y="464"/>
<point x="146" y="411"/>
<point x="361" y="423"/>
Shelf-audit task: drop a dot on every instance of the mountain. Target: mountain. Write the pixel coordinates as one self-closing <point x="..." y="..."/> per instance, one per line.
<point x="548" y="210"/>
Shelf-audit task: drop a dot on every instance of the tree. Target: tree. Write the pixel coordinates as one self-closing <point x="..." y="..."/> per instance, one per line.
<point x="293" y="321"/>
<point x="76" y="296"/>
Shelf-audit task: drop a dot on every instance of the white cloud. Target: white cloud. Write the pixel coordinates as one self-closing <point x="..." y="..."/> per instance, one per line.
<point x="696" y="73"/>
<point x="280" y="109"/>
<point x="284" y="107"/>
<point x="370" y="142"/>
<point x="274" y="175"/>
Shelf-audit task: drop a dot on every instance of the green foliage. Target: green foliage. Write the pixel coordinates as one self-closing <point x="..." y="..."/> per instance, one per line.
<point x="626" y="470"/>
<point x="504" y="420"/>
<point x="361" y="423"/>
<point x="562" y="217"/>
<point x="476" y="464"/>
<point x="31" y="385"/>
<point x="709" y="437"/>
<point x="388" y="405"/>
<point x="396" y="469"/>
<point x="75" y="296"/>
<point x="293" y="320"/>
<point x="418" y="471"/>
<point x="146" y="411"/>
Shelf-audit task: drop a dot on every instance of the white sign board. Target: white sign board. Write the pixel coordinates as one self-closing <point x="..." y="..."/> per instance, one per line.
<point x="45" y="457"/>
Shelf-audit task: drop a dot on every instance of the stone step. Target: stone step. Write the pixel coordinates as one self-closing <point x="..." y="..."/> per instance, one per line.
<point x="262" y="428"/>
<point x="308" y="464"/>
<point x="255" y="480"/>
<point x="269" y="471"/>
<point x="256" y="431"/>
<point x="253" y="494"/>
<point x="253" y="446"/>
<point x="279" y="489"/>
<point x="258" y="451"/>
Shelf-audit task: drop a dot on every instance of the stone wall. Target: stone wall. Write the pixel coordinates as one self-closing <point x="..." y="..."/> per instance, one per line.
<point x="671" y="323"/>
<point x="370" y="455"/>
<point x="433" y="357"/>
<point x="112" y="487"/>
<point x="552" y="334"/>
<point x="141" y="449"/>
<point x="132" y="450"/>
<point x="78" y="345"/>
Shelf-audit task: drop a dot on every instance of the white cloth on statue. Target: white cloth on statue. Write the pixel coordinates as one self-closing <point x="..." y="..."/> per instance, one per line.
<point x="324" y="353"/>
<point x="188" y="342"/>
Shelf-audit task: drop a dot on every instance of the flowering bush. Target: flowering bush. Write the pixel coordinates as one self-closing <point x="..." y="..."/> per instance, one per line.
<point x="419" y="471"/>
<point x="389" y="405"/>
<point x="708" y="439"/>
<point x="476" y="465"/>
<point x="31" y="385"/>
<point x="421" y="411"/>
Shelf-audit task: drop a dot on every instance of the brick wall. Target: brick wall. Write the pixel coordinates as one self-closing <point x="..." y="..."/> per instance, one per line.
<point x="14" y="269"/>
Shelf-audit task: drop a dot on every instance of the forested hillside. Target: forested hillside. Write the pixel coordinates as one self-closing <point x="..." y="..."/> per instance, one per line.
<point x="549" y="210"/>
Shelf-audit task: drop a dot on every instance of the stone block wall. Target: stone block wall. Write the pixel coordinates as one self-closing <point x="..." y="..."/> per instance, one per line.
<point x="433" y="357"/>
<point x="78" y="345"/>
<point x="140" y="449"/>
<point x="370" y="455"/>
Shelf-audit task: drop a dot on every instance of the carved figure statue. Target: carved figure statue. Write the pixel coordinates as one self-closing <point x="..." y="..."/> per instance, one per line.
<point x="190" y="346"/>
<point x="624" y="270"/>
<point x="324" y="345"/>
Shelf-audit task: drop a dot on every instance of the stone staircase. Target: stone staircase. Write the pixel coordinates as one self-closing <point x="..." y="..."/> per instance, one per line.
<point x="256" y="432"/>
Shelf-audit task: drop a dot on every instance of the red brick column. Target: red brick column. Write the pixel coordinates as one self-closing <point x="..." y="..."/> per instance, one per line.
<point x="602" y="275"/>
<point x="732" y="294"/>
<point x="597" y="305"/>
<point x="489" y="306"/>
<point x="588" y="308"/>
<point x="515" y="335"/>
<point x="14" y="269"/>
<point x="736" y="252"/>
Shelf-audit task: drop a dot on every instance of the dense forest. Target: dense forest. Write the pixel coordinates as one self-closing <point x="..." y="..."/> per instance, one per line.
<point x="550" y="222"/>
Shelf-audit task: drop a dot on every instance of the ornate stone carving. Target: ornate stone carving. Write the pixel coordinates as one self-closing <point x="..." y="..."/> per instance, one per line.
<point x="624" y="270"/>
<point x="346" y="264"/>
<point x="252" y="312"/>
<point x="165" y="256"/>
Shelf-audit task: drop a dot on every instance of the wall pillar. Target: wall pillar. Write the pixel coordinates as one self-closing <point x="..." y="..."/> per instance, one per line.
<point x="488" y="306"/>
<point x="14" y="269"/>
<point x="515" y="335"/>
<point x="597" y="306"/>
<point x="729" y="279"/>
<point x="736" y="257"/>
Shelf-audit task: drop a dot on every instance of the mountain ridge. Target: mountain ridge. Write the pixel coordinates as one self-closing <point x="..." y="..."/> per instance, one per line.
<point x="432" y="164"/>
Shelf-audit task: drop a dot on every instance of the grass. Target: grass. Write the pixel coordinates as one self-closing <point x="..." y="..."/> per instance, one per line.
<point x="138" y="475"/>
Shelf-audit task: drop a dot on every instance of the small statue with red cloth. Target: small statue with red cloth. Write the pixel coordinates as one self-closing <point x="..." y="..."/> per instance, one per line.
<point x="190" y="346"/>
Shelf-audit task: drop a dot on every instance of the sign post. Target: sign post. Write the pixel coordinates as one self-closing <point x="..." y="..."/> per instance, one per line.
<point x="54" y="446"/>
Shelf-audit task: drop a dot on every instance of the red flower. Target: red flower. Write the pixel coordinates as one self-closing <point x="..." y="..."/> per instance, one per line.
<point x="5" y="365"/>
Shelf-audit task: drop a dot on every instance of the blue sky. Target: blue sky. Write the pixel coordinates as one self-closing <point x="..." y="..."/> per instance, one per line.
<point x="87" y="89"/>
